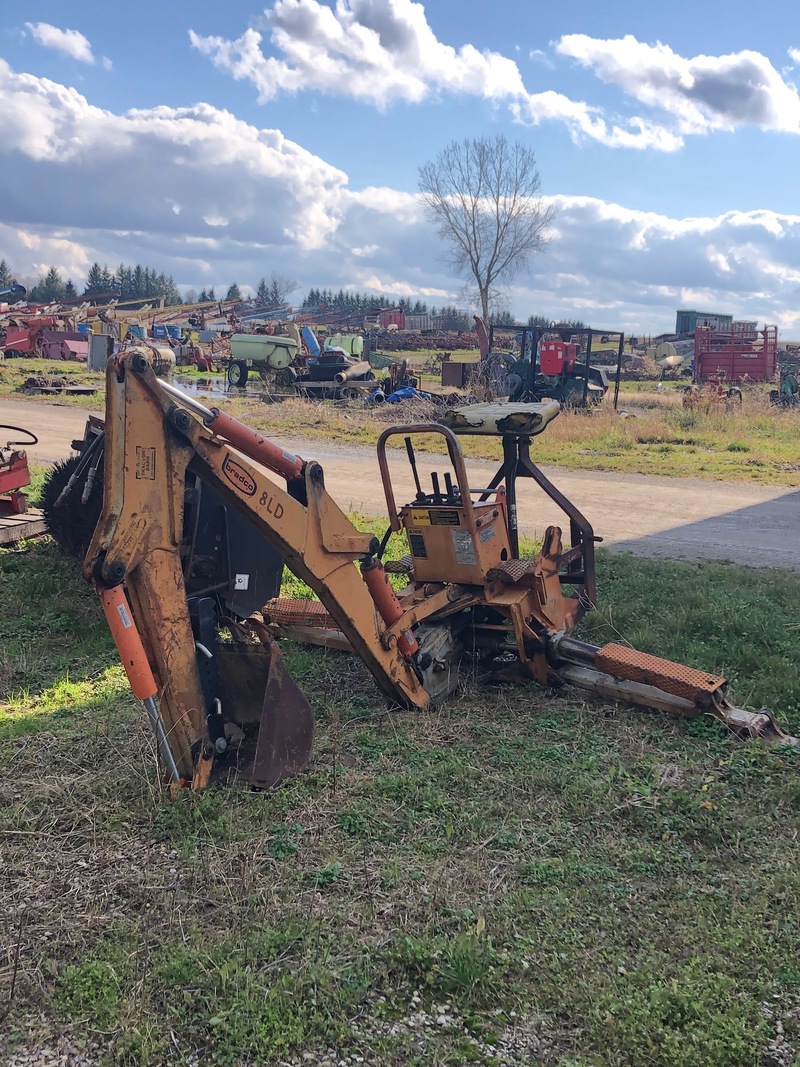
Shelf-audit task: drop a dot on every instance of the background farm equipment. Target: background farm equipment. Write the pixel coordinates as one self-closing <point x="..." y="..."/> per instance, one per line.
<point x="552" y="362"/>
<point x="25" y="334"/>
<point x="715" y="392"/>
<point x="740" y="351"/>
<point x="17" y="520"/>
<point x="263" y="353"/>
<point x="14" y="473"/>
<point x="335" y="375"/>
<point x="12" y="294"/>
<point x="189" y="354"/>
<point x="788" y="395"/>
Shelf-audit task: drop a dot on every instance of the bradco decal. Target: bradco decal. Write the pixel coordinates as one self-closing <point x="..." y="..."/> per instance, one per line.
<point x="238" y="476"/>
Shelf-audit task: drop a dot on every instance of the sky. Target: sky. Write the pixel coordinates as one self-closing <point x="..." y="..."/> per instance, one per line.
<point x="220" y="143"/>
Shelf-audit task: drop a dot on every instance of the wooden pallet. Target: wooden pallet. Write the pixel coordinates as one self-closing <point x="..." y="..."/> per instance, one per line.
<point x="15" y="528"/>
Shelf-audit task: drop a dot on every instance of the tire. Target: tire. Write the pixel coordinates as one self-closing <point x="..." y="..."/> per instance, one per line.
<point x="237" y="374"/>
<point x="286" y="378"/>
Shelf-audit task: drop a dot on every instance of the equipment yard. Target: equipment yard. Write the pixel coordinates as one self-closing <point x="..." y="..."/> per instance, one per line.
<point x="399" y="539"/>
<point x="517" y="871"/>
<point x="685" y="518"/>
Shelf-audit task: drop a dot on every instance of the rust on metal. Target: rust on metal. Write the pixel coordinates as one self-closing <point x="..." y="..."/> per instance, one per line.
<point x="289" y="611"/>
<point x="686" y="682"/>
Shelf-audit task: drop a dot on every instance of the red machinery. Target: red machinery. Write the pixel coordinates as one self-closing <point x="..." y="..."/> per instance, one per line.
<point x="738" y="351"/>
<point x="14" y="473"/>
<point x="557" y="356"/>
<point x="24" y="334"/>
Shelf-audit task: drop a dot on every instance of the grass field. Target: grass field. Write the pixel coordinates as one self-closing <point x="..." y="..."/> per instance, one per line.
<point x="519" y="877"/>
<point x="753" y="443"/>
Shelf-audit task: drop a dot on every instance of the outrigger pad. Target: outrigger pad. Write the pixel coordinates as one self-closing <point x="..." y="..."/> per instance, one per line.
<point x="687" y="682"/>
<point x="520" y="420"/>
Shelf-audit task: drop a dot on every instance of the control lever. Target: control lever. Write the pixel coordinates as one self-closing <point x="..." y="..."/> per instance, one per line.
<point x="412" y="459"/>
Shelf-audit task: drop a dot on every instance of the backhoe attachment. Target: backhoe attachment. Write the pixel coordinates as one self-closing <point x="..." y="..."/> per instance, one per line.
<point x="223" y="696"/>
<point x="182" y="586"/>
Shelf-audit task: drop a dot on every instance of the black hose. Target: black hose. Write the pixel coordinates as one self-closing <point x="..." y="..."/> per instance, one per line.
<point x="21" y="429"/>
<point x="81" y="467"/>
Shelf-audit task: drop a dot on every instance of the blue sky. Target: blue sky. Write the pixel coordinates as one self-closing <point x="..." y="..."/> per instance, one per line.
<point x="220" y="143"/>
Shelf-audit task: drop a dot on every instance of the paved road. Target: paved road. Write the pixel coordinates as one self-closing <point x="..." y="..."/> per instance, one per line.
<point x="650" y="516"/>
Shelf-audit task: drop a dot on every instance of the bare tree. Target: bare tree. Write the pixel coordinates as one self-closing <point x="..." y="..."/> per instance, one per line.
<point x="484" y="198"/>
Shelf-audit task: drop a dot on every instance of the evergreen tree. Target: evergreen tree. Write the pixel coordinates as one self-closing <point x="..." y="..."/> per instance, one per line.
<point x="70" y="292"/>
<point x="455" y="319"/>
<point x="49" y="289"/>
<point x="278" y="290"/>
<point x="262" y="293"/>
<point x="172" y="295"/>
<point x="234" y="292"/>
<point x="94" y="280"/>
<point x="7" y="279"/>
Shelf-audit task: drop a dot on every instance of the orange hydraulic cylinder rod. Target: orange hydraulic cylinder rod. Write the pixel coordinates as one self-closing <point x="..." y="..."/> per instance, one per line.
<point x="128" y="642"/>
<point x="389" y="607"/>
<point x="255" y="445"/>
<point x="134" y="660"/>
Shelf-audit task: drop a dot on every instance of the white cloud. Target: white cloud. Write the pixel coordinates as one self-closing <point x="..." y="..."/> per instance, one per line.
<point x="382" y="51"/>
<point x="210" y="199"/>
<point x="213" y="165"/>
<point x="644" y="265"/>
<point x="584" y="121"/>
<point x="71" y="42"/>
<point x="702" y="93"/>
<point x="377" y="51"/>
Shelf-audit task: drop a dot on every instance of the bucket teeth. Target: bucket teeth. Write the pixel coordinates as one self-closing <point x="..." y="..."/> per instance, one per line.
<point x="674" y="678"/>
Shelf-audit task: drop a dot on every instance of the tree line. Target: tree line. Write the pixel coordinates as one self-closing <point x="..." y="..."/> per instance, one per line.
<point x="124" y="283"/>
<point x="142" y="283"/>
